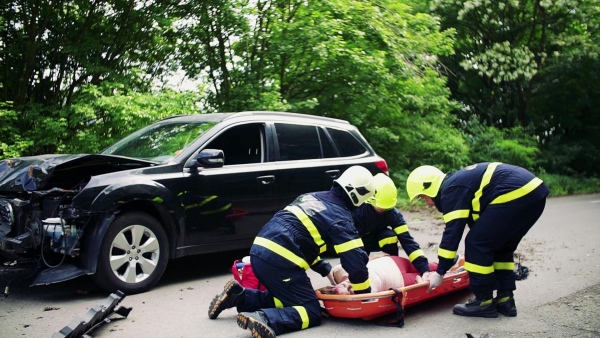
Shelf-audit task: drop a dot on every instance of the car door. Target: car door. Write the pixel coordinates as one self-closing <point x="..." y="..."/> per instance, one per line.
<point x="306" y="160"/>
<point x="226" y="207"/>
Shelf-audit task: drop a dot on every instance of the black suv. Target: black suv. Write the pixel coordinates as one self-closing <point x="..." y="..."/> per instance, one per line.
<point x="185" y="185"/>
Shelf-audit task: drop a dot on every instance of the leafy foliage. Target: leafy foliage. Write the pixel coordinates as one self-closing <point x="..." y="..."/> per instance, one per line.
<point x="439" y="82"/>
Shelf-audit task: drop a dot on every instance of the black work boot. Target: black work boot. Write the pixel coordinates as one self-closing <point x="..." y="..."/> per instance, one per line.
<point x="257" y="323"/>
<point x="477" y="308"/>
<point x="232" y="295"/>
<point x="505" y="304"/>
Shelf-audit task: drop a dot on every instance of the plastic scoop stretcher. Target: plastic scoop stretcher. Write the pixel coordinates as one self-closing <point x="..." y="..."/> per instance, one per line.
<point x="372" y="305"/>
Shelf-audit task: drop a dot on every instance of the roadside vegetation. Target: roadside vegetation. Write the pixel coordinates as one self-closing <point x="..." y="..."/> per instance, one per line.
<point x="435" y="82"/>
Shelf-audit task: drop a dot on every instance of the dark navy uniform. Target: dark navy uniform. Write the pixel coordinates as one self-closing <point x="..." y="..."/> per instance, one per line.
<point x="500" y="203"/>
<point x="289" y="244"/>
<point x="383" y="230"/>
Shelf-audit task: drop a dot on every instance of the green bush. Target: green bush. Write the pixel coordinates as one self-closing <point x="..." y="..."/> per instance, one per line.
<point x="561" y="185"/>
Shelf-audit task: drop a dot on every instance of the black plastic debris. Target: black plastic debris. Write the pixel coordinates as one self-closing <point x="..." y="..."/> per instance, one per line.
<point x="97" y="315"/>
<point x="521" y="272"/>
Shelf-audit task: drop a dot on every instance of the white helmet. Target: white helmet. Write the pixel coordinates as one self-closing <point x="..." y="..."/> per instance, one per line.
<point x="357" y="182"/>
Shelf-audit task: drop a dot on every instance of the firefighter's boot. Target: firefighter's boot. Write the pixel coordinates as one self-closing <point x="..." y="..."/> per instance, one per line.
<point x="231" y="296"/>
<point x="477" y="308"/>
<point x="257" y="323"/>
<point x="505" y="303"/>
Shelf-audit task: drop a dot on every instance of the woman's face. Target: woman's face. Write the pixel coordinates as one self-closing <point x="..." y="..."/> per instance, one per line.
<point x="343" y="288"/>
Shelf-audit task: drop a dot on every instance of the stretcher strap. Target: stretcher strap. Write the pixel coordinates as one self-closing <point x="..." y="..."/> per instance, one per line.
<point x="399" y="321"/>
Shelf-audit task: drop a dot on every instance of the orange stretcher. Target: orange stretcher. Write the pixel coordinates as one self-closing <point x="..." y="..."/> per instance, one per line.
<point x="373" y="305"/>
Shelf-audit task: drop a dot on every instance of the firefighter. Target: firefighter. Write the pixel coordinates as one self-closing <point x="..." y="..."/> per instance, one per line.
<point x="382" y="226"/>
<point x="500" y="203"/>
<point x="289" y="244"/>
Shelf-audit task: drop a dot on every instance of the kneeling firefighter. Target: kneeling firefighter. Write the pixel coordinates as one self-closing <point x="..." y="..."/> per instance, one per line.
<point x="288" y="245"/>
<point x="500" y="203"/>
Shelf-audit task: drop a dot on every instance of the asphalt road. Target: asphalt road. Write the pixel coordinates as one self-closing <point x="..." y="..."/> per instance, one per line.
<point x="560" y="298"/>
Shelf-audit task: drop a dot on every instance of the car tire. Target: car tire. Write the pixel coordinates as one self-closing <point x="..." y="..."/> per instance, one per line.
<point x="133" y="255"/>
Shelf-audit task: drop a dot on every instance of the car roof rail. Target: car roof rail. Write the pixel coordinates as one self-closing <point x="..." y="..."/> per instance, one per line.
<point x="285" y="114"/>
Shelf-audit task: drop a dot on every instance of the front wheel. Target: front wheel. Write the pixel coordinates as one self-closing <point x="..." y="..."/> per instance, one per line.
<point x="133" y="255"/>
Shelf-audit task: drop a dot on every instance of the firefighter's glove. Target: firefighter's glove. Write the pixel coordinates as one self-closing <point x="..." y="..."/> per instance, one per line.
<point x="331" y="279"/>
<point x="425" y="276"/>
<point x="435" y="280"/>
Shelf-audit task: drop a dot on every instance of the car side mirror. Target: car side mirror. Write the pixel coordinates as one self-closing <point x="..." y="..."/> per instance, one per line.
<point x="208" y="158"/>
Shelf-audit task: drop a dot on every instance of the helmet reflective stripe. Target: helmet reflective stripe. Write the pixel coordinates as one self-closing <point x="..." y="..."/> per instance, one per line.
<point x="386" y="193"/>
<point x="357" y="182"/>
<point x="425" y="180"/>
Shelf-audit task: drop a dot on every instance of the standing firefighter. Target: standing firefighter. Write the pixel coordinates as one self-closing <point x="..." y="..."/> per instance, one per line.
<point x="382" y="226"/>
<point x="500" y="203"/>
<point x="288" y="245"/>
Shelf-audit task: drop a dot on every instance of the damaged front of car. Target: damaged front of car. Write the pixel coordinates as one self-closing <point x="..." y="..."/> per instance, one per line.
<point x="44" y="216"/>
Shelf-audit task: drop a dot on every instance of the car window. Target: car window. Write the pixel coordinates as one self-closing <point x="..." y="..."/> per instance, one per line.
<point x="241" y="144"/>
<point x="346" y="143"/>
<point x="326" y="146"/>
<point x="297" y="142"/>
<point x="159" y="142"/>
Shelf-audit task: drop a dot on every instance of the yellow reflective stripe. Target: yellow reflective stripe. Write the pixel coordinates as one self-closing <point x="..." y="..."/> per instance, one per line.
<point x="228" y="206"/>
<point x="415" y="254"/>
<point x="316" y="260"/>
<point x="522" y="191"/>
<point x="504" y="266"/>
<point x="452" y="215"/>
<point x="303" y="315"/>
<point x="310" y="226"/>
<point x="350" y="245"/>
<point x="484" y="270"/>
<point x="278" y="303"/>
<point x="503" y="299"/>
<point x="388" y="240"/>
<point x="281" y="251"/>
<point x="206" y="200"/>
<point x="158" y="199"/>
<point x="401" y="229"/>
<point x="485" y="180"/>
<point x="361" y="286"/>
<point x="446" y="253"/>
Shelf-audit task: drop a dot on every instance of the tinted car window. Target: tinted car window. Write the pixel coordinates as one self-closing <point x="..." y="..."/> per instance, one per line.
<point x="346" y="143"/>
<point x="297" y="142"/>
<point x="326" y="146"/>
<point x="240" y="144"/>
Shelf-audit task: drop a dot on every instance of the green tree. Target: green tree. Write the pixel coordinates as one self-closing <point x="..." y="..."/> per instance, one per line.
<point x="531" y="63"/>
<point x="372" y="63"/>
<point x="52" y="49"/>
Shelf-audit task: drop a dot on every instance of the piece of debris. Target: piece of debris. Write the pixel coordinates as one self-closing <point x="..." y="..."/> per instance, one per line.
<point x="51" y="308"/>
<point x="81" y="327"/>
<point x="521" y="272"/>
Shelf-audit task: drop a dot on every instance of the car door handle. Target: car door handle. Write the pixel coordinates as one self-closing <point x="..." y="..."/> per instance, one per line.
<point x="333" y="173"/>
<point x="266" y="179"/>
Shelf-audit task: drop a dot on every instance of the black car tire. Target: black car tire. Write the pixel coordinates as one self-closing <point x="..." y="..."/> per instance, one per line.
<point x="134" y="240"/>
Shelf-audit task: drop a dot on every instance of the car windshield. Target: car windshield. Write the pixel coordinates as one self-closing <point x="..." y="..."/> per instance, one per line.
<point x="159" y="142"/>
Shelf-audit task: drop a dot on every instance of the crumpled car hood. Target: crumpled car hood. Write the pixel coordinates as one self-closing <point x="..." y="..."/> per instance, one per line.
<point x="35" y="172"/>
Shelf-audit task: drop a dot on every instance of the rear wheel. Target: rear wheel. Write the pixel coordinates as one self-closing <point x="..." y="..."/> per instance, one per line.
<point x="133" y="255"/>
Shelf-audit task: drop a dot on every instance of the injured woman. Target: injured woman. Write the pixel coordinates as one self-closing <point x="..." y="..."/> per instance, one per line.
<point x="385" y="272"/>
